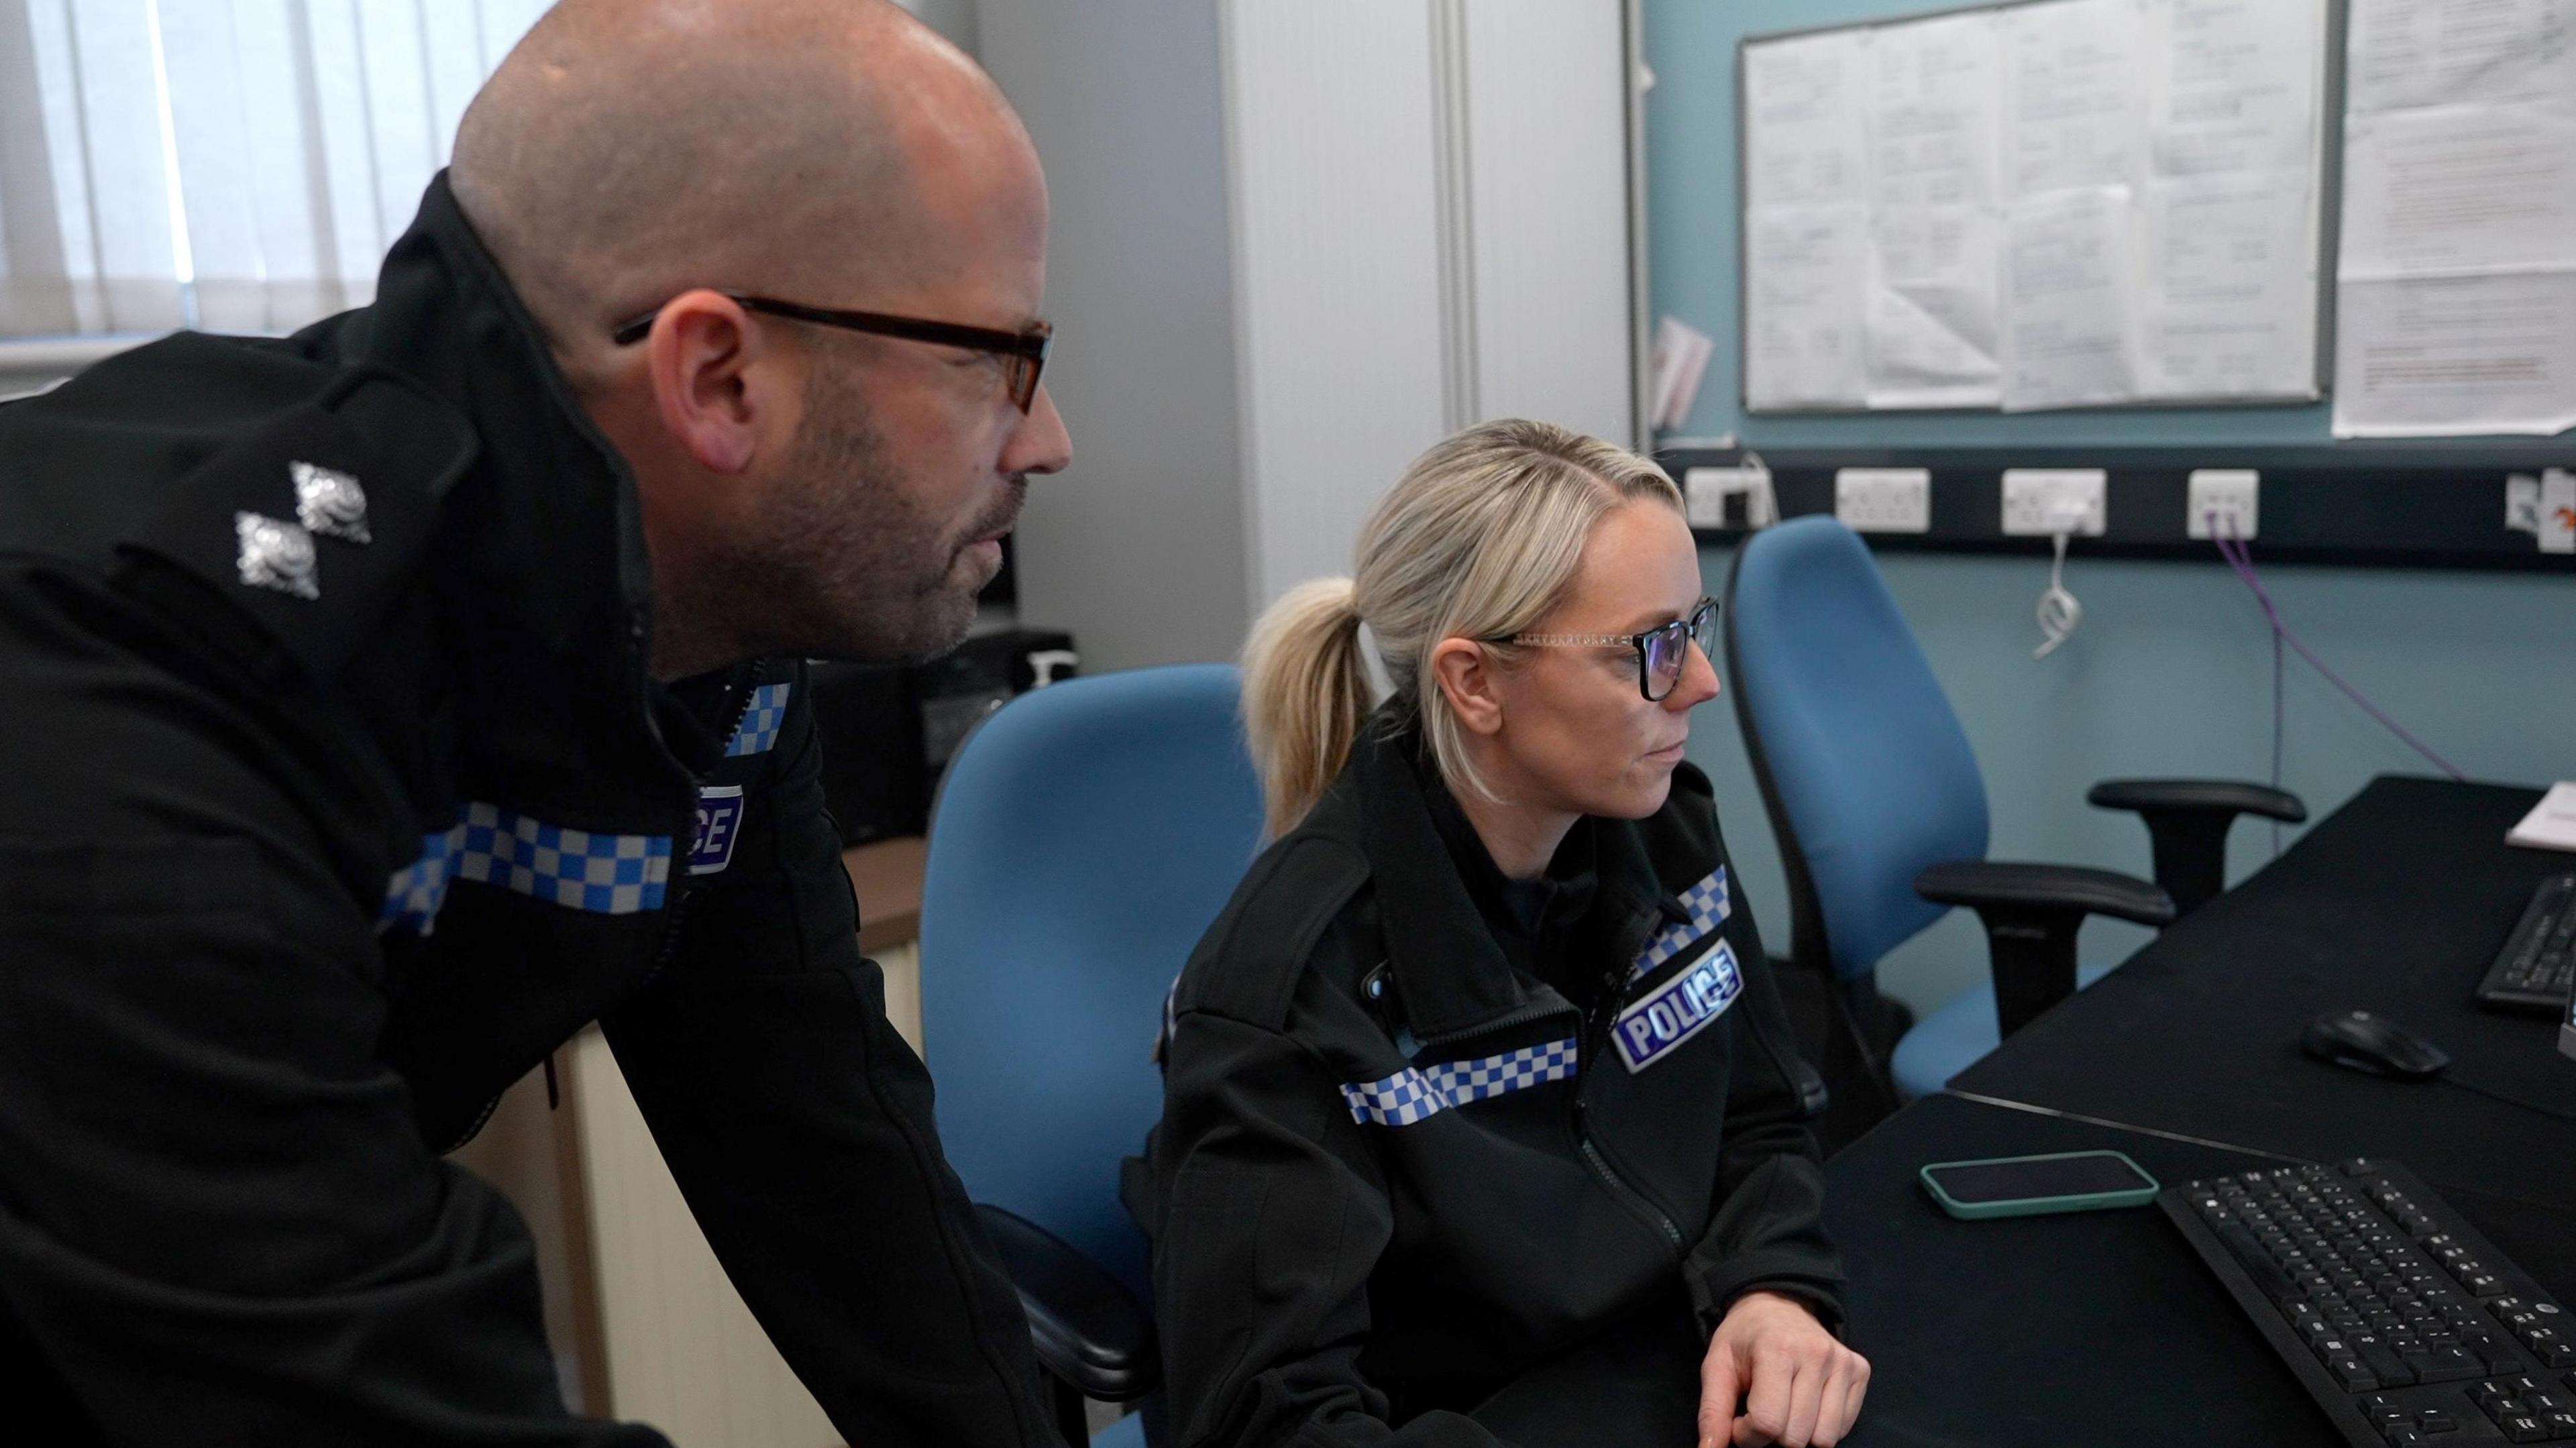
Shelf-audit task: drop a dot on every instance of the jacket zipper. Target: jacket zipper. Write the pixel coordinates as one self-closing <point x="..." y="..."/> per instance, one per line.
<point x="677" y="913"/>
<point x="1597" y="1042"/>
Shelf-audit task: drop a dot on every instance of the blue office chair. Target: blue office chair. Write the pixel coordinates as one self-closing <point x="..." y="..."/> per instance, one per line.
<point x="1086" y="836"/>
<point x="1880" y="812"/>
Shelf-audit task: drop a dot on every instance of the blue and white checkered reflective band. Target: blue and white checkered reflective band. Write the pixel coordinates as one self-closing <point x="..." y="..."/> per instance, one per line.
<point x="1417" y="1093"/>
<point x="1708" y="902"/>
<point x="759" y="727"/>
<point x="603" y="874"/>
<point x="417" y="890"/>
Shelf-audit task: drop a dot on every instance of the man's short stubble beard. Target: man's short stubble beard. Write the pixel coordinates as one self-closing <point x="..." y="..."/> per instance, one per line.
<point x="845" y="565"/>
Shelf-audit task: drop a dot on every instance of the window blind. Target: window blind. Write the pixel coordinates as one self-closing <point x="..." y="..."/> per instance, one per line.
<point x="236" y="165"/>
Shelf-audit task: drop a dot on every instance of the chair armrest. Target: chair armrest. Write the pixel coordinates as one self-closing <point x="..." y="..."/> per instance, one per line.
<point x="2231" y="797"/>
<point x="1086" y="1327"/>
<point x="1988" y="884"/>
<point x="2187" y="822"/>
<point x="2032" y="913"/>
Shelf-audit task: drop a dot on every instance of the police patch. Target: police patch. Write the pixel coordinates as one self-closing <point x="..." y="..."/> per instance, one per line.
<point x="1678" y="1009"/>
<point x="719" y="821"/>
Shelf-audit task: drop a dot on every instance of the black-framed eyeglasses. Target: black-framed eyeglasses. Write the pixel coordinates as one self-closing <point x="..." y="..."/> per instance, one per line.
<point x="1023" y="354"/>
<point x="1663" y="652"/>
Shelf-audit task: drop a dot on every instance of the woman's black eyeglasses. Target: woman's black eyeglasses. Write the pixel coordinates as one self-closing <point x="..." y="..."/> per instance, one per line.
<point x="1023" y="354"/>
<point x="1662" y="652"/>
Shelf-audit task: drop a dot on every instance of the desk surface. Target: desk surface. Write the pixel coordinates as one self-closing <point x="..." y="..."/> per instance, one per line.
<point x="2397" y="904"/>
<point x="2094" y="1328"/>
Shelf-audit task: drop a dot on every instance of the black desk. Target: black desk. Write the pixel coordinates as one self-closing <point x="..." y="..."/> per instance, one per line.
<point x="2095" y="1328"/>
<point x="2396" y="903"/>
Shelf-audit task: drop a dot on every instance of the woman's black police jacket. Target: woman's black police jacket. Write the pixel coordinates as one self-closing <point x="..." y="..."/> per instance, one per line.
<point x="1394" y="1170"/>
<point x="344" y="794"/>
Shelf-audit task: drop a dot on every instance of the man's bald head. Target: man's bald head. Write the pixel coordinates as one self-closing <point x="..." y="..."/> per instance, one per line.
<point x="829" y="151"/>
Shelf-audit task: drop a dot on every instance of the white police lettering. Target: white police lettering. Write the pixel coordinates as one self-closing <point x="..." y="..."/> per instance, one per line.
<point x="719" y="821"/>
<point x="1678" y="1009"/>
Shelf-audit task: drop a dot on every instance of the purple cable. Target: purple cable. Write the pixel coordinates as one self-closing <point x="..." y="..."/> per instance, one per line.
<point x="2241" y="558"/>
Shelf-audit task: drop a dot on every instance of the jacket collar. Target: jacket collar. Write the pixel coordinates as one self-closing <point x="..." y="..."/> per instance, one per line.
<point x="542" y="572"/>
<point x="1448" y="970"/>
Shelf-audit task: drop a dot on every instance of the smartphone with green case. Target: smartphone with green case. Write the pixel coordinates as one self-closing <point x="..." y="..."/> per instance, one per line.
<point x="2032" y="1186"/>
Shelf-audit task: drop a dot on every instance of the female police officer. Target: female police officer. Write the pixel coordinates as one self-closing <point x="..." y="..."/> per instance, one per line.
<point x="1481" y="1118"/>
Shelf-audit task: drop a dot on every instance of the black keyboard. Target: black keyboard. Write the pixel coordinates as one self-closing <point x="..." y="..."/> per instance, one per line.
<point x="2536" y="970"/>
<point x="2403" y="1323"/>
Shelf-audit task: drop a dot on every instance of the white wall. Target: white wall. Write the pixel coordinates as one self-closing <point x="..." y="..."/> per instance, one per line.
<point x="1137" y="549"/>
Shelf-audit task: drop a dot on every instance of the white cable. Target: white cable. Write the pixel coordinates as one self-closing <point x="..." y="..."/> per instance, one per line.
<point x="2059" y="613"/>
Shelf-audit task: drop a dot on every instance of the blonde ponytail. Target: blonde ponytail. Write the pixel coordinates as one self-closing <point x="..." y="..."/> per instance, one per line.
<point x="1305" y="695"/>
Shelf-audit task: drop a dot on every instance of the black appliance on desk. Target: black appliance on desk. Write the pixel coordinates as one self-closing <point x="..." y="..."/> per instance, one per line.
<point x="889" y="730"/>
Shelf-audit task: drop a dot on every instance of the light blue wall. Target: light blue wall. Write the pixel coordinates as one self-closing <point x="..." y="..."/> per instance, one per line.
<point x="2171" y="671"/>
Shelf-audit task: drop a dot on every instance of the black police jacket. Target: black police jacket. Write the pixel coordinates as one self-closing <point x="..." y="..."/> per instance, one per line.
<point x="342" y="794"/>
<point x="1393" y="1171"/>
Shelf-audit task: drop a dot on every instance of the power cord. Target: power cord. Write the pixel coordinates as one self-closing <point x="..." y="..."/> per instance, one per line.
<point x="2507" y="1099"/>
<point x="2241" y="559"/>
<point x="2059" y="612"/>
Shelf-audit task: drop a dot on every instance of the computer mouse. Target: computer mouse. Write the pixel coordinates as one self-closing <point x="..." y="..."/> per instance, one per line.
<point x="2362" y="1041"/>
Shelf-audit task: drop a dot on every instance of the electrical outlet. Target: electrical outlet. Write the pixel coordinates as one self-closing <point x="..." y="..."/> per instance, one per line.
<point x="1884" y="500"/>
<point x="2039" y="502"/>
<point x="1709" y="491"/>
<point x="2226" y="496"/>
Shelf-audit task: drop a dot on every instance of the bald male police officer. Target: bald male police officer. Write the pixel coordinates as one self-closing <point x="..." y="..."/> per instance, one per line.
<point x="350" y="779"/>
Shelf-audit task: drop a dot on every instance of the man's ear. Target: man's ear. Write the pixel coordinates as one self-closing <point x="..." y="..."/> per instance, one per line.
<point x="1469" y="680"/>
<point x="699" y="356"/>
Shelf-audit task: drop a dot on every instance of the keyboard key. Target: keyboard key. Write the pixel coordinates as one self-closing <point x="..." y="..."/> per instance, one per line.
<point x="2384" y="1365"/>
<point x="2520" y="1429"/>
<point x="2448" y="1364"/>
<point x="2436" y="1422"/>
<point x="2351" y="1373"/>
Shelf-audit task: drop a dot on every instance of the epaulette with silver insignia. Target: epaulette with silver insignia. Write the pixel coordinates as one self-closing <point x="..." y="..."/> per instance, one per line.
<point x="313" y="523"/>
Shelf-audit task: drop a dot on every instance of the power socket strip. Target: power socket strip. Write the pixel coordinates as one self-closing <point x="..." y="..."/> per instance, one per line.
<point x="2229" y="497"/>
<point x="2039" y="502"/>
<point x="1884" y="500"/>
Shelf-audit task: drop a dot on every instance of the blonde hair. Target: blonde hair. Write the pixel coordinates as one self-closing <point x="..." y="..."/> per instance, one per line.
<point x="1479" y="539"/>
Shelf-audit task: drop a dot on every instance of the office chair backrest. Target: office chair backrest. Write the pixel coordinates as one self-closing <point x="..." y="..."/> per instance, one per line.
<point x="1086" y="836"/>
<point x="1863" y="767"/>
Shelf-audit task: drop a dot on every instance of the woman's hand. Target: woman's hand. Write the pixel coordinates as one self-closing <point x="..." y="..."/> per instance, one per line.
<point x="1799" y="1385"/>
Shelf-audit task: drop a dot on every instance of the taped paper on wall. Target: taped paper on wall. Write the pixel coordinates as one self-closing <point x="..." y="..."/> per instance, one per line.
<point x="1932" y="113"/>
<point x="2062" y="203"/>
<point x="2443" y="355"/>
<point x="2074" y="105"/>
<point x="1932" y="309"/>
<point x="2412" y="53"/>
<point x="2068" y="338"/>
<point x="2459" y="188"/>
<point x="2457" y="283"/>
<point x="1803" y="318"/>
<point x="2238" y="87"/>
<point x="2232" y="286"/>
<point x="1802" y="98"/>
